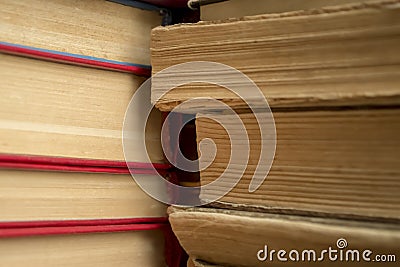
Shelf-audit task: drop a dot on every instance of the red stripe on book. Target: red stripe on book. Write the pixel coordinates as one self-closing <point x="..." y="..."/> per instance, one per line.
<point x="69" y="223"/>
<point x="66" y="168"/>
<point x="61" y="230"/>
<point x="23" y="51"/>
<point x="77" y="162"/>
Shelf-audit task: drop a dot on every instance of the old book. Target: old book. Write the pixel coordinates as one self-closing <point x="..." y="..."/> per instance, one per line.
<point x="60" y="110"/>
<point x="240" y="8"/>
<point x="235" y="238"/>
<point x="32" y="195"/>
<point x="92" y="29"/>
<point x="133" y="247"/>
<point x="342" y="162"/>
<point x="342" y="55"/>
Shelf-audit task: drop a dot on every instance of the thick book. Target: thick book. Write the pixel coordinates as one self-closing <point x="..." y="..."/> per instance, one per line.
<point x="60" y="110"/>
<point x="101" y="245"/>
<point x="341" y="55"/>
<point x="340" y="162"/>
<point x="237" y="238"/>
<point x="93" y="30"/>
<point x="40" y="195"/>
<point x="239" y="8"/>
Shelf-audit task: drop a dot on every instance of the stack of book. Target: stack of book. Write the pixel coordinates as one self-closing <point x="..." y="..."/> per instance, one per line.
<point x="68" y="70"/>
<point x="331" y="78"/>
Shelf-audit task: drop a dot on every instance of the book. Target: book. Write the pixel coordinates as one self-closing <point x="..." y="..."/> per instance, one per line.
<point x="93" y="29"/>
<point x="132" y="246"/>
<point x="239" y="8"/>
<point x="60" y="110"/>
<point x="33" y="195"/>
<point x="342" y="162"/>
<point x="67" y="193"/>
<point x="336" y="56"/>
<point x="330" y="76"/>
<point x="237" y="238"/>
